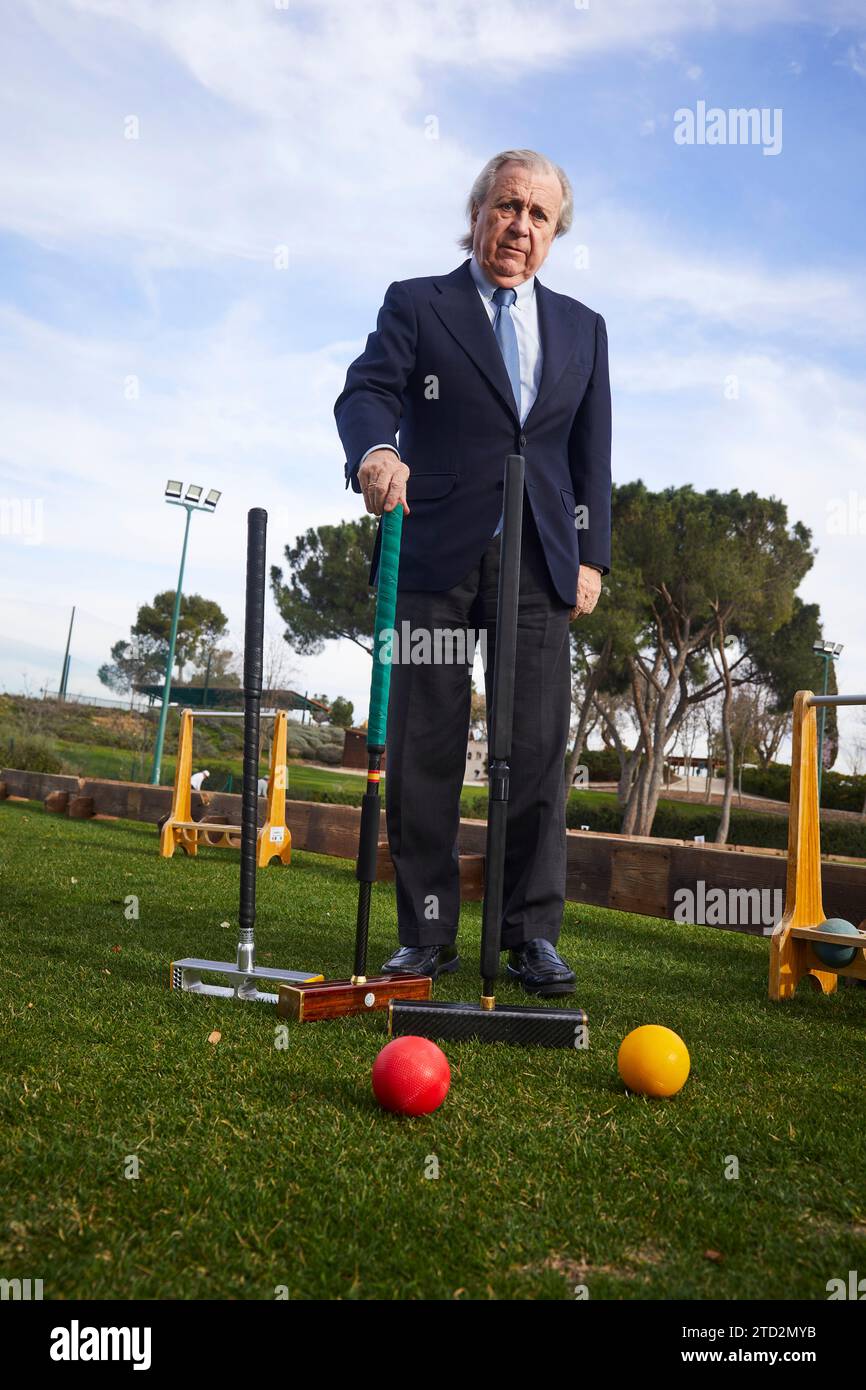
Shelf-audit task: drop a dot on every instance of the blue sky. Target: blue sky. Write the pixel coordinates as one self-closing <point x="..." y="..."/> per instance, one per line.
<point x="307" y="127"/>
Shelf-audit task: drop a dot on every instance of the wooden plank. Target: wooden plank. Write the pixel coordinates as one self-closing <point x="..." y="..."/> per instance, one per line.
<point x="631" y="873"/>
<point x="471" y="872"/>
<point x="639" y="879"/>
<point x="206" y="824"/>
<point x="129" y="800"/>
<point x="36" y="786"/>
<point x="588" y="861"/>
<point x="329" y="834"/>
<point x="753" y="885"/>
<point x="834" y="938"/>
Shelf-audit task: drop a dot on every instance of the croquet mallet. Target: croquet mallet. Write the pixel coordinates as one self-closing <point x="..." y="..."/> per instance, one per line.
<point x="337" y="998"/>
<point x="522" y="1025"/>
<point x="246" y="977"/>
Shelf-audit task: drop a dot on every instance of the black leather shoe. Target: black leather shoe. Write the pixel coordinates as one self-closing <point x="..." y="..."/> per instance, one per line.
<point x="422" y="960"/>
<point x="539" y="968"/>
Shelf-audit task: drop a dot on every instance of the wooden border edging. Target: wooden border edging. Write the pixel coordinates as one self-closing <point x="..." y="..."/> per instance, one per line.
<point x="637" y="874"/>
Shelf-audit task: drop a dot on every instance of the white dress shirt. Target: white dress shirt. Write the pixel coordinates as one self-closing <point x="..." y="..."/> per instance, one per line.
<point x="524" y="316"/>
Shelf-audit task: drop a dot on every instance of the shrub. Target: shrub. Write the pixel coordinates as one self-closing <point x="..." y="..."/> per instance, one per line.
<point x="840" y="791"/>
<point x="31" y="753"/>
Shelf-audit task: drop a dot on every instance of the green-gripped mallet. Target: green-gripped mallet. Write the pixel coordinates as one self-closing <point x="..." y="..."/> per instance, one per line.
<point x="336" y="998"/>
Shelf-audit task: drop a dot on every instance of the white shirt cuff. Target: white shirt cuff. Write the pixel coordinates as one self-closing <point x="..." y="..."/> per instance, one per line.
<point x="374" y="448"/>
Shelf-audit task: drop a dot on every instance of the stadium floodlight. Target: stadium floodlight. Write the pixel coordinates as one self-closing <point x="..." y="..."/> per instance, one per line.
<point x="191" y="502"/>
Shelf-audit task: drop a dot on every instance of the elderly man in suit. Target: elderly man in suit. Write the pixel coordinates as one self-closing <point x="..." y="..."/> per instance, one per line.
<point x="469" y="367"/>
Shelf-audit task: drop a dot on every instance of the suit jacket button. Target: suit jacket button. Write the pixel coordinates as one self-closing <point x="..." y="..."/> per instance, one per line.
<point x="522" y="440"/>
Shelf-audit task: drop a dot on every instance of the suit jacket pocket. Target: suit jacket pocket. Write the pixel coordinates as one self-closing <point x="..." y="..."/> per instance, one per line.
<point x="426" y="487"/>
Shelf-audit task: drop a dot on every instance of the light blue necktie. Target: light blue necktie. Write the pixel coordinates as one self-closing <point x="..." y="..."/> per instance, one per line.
<point x="506" y="337"/>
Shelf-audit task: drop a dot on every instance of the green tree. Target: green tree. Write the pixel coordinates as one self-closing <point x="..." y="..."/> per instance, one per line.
<point x="695" y="579"/>
<point x="342" y="713"/>
<point x="327" y="594"/>
<point x="321" y="714"/>
<point x="139" y="662"/>
<point x="200" y="626"/>
<point x="786" y="663"/>
<point x="758" y="563"/>
<point x="216" y="667"/>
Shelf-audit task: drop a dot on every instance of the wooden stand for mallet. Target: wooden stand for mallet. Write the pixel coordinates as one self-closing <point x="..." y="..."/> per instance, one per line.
<point x="792" y="955"/>
<point x="336" y="998"/>
<point x="180" y="831"/>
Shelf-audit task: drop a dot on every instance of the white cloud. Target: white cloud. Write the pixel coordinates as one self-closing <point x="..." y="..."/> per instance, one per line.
<point x="632" y="262"/>
<point x="260" y="126"/>
<point x="855" y="59"/>
<point x="306" y="127"/>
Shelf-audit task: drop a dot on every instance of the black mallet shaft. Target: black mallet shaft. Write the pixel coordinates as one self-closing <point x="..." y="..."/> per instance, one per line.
<point x="520" y="1025"/>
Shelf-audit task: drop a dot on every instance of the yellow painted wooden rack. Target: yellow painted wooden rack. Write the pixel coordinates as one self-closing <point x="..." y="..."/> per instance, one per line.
<point x="181" y="831"/>
<point x="792" y="955"/>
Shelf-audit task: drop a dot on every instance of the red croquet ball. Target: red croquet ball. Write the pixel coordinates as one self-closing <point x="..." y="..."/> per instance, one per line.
<point x="411" y="1076"/>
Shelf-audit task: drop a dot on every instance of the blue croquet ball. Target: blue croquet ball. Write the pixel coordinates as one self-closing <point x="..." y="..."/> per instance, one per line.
<point x="837" y="956"/>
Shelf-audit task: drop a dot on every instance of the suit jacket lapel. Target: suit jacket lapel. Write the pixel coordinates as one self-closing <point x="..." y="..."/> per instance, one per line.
<point x="460" y="309"/>
<point x="558" y="327"/>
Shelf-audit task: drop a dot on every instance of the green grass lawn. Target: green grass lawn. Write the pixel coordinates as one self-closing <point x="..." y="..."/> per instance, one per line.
<point x="262" y="1167"/>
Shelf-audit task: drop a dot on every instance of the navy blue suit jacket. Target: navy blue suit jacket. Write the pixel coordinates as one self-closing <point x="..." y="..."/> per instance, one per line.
<point x="433" y="372"/>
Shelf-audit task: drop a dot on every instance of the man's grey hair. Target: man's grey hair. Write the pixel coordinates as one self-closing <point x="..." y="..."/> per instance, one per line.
<point x="530" y="159"/>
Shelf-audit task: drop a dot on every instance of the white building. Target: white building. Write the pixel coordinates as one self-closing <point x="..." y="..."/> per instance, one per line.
<point x="476" y="761"/>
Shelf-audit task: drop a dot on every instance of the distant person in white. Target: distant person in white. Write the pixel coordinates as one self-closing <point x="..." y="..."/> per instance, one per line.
<point x="262" y="786"/>
<point x="197" y="779"/>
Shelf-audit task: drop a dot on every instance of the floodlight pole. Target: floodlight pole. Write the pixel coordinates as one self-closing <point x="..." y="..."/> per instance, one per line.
<point x="169" y="665"/>
<point x="64" y="674"/>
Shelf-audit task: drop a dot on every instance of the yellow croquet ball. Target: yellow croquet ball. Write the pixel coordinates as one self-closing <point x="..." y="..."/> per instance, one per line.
<point x="653" y="1061"/>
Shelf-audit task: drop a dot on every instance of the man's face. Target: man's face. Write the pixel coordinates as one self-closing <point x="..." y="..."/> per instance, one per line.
<point x="514" y="227"/>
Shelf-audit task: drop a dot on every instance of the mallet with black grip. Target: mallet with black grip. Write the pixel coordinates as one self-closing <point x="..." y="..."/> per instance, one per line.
<point x="246" y="977"/>
<point x="335" y="999"/>
<point x="488" y="1021"/>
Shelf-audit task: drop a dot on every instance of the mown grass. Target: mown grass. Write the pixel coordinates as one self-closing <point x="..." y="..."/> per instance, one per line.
<point x="262" y="1167"/>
